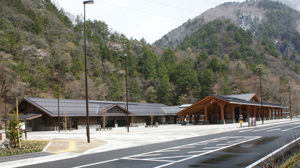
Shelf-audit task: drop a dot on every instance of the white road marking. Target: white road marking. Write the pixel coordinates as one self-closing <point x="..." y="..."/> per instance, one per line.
<point x="198" y="151"/>
<point x="141" y="157"/>
<point x="290" y="129"/>
<point x="170" y="150"/>
<point x="269" y="155"/>
<point x="186" y="147"/>
<point x="152" y="155"/>
<point x="221" y="144"/>
<point x="240" y="139"/>
<point x="195" y="134"/>
<point x="171" y="157"/>
<point x="211" y="147"/>
<point x="246" y="130"/>
<point x="47" y="146"/>
<point x="92" y="164"/>
<point x="202" y="144"/>
<point x="274" y="127"/>
<point x="274" y="130"/>
<point x="205" y="153"/>
<point x="232" y="142"/>
<point x="163" y="138"/>
<point x="153" y="160"/>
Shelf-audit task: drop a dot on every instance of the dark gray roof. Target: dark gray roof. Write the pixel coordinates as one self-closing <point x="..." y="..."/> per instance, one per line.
<point x="172" y="110"/>
<point x="78" y="107"/>
<point x="246" y="97"/>
<point x="234" y="100"/>
<point x="29" y="116"/>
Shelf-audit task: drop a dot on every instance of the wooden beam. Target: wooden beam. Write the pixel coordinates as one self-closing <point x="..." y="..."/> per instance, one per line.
<point x="221" y="104"/>
<point x="205" y="105"/>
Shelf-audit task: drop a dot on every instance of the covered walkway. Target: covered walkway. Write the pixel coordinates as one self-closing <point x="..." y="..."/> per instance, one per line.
<point x="218" y="109"/>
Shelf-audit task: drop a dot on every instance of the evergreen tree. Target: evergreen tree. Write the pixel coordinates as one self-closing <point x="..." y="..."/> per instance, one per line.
<point x="185" y="78"/>
<point x="165" y="90"/>
<point x="147" y="64"/>
<point x="135" y="91"/>
<point x="169" y="59"/>
<point x="115" y="88"/>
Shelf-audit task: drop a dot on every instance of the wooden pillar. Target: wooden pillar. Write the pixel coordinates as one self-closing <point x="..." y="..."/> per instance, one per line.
<point x="271" y="111"/>
<point x="182" y="118"/>
<point x="247" y="111"/>
<point x="232" y="112"/>
<point x="221" y="104"/>
<point x="240" y="110"/>
<point x="205" y="105"/>
<point x="25" y="129"/>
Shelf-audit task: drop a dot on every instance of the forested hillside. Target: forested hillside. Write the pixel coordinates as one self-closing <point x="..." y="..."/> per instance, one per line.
<point x="41" y="51"/>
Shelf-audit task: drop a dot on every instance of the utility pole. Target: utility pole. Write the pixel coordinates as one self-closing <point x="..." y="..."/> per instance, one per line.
<point x="261" y="104"/>
<point x="17" y="110"/>
<point x="86" y="80"/>
<point x="126" y="93"/>
<point x="290" y="101"/>
<point x="5" y="118"/>
<point x="58" y="106"/>
<point x="58" y="90"/>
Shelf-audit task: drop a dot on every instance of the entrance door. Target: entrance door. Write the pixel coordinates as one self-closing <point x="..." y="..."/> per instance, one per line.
<point x="121" y="121"/>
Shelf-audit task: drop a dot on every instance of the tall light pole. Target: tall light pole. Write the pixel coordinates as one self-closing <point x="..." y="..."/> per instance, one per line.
<point x="5" y="117"/>
<point x="125" y="55"/>
<point x="86" y="81"/>
<point x="290" y="101"/>
<point x="58" y="90"/>
<point x="261" y="104"/>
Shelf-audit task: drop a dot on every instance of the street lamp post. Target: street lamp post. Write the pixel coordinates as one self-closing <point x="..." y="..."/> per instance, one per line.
<point x="290" y="101"/>
<point x="261" y="104"/>
<point x="86" y="81"/>
<point x="126" y="92"/>
<point x="5" y="117"/>
<point x="58" y="90"/>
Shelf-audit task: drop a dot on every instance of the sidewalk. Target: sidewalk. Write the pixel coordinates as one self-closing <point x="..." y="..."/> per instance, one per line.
<point x="73" y="143"/>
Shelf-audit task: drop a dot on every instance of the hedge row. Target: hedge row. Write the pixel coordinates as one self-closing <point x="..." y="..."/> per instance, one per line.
<point x="26" y="147"/>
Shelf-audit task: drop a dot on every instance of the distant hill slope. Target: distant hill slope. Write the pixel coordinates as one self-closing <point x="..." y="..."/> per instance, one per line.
<point x="41" y="52"/>
<point x="261" y="17"/>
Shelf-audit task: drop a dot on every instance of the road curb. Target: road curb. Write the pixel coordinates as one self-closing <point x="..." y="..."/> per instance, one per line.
<point x="23" y="162"/>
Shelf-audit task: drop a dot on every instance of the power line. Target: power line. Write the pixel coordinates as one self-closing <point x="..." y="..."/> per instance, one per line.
<point x="210" y="2"/>
<point x="140" y="11"/>
<point x="172" y="6"/>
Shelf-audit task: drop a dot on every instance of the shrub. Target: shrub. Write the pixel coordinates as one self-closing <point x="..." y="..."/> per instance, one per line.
<point x="26" y="147"/>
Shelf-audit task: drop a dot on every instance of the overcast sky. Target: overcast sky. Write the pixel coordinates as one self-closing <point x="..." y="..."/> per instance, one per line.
<point x="150" y="19"/>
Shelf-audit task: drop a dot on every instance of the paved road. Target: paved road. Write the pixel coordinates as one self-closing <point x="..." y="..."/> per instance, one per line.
<point x="229" y="149"/>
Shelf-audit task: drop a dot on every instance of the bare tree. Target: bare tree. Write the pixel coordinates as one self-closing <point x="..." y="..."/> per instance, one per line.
<point x="104" y="117"/>
<point x="151" y="116"/>
<point x="65" y="120"/>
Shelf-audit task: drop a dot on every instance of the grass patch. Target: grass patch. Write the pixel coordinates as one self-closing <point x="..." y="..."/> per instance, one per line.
<point x="291" y="161"/>
<point x="26" y="147"/>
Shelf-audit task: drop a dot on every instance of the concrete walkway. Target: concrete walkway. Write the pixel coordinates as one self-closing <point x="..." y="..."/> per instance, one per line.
<point x="66" y="143"/>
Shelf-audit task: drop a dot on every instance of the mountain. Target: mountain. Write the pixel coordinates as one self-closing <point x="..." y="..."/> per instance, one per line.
<point x="295" y="4"/>
<point x="247" y="15"/>
<point x="218" y="52"/>
<point x="252" y="33"/>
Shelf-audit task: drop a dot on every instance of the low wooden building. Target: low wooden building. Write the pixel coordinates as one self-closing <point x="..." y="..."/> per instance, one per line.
<point x="218" y="109"/>
<point x="45" y="113"/>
